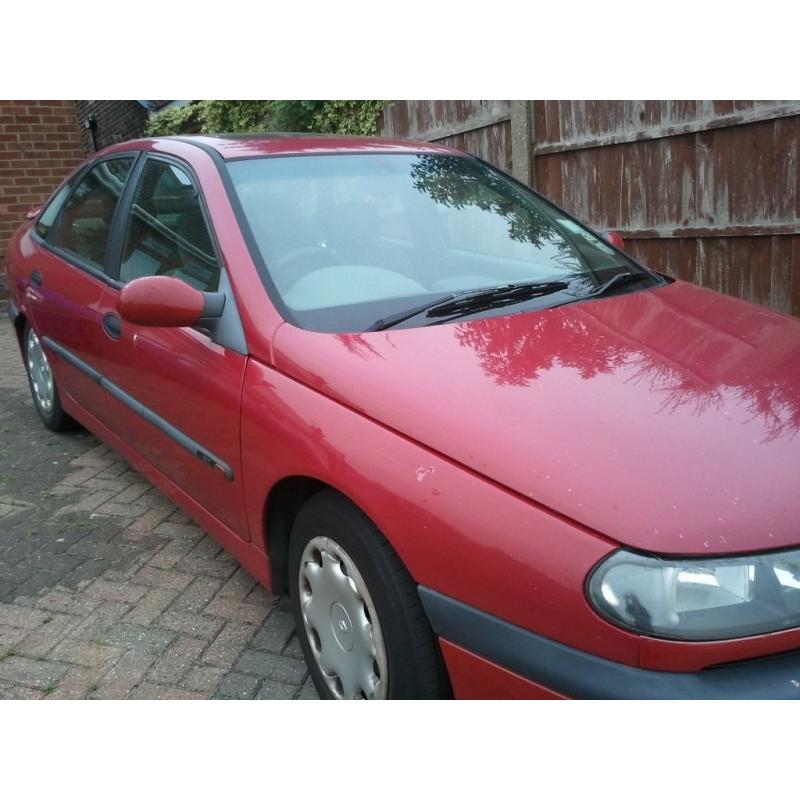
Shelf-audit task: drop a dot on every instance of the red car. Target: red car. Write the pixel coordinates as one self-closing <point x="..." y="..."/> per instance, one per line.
<point x="485" y="452"/>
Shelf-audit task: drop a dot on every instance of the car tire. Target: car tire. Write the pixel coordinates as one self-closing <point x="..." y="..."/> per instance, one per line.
<point x="354" y="601"/>
<point x="44" y="391"/>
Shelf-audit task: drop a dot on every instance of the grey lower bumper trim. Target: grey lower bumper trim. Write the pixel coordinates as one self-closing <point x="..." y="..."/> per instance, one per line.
<point x="206" y="456"/>
<point x="581" y="675"/>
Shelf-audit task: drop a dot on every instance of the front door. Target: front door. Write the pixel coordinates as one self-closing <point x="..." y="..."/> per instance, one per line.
<point x="185" y="388"/>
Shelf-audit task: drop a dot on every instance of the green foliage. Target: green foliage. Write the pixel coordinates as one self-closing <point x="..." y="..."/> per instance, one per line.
<point x="174" y="121"/>
<point x="358" y="117"/>
<point x="229" y="116"/>
<point x="352" y="117"/>
<point x="296" y="115"/>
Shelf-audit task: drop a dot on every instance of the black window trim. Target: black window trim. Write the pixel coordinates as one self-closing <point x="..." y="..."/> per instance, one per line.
<point x="67" y="255"/>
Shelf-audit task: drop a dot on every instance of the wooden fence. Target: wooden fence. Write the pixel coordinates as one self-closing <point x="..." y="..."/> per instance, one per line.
<point x="705" y="190"/>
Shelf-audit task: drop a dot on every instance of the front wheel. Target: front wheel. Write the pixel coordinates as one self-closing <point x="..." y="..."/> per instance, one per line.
<point x="43" y="385"/>
<point x="358" y="616"/>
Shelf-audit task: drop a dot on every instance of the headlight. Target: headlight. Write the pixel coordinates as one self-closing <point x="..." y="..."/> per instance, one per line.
<point x="699" y="599"/>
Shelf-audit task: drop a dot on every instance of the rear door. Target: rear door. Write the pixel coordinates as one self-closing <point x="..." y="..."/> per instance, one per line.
<point x="183" y="379"/>
<point x="68" y="280"/>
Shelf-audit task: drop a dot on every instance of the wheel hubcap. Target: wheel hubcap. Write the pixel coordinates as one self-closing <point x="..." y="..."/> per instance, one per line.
<point x="341" y="623"/>
<point x="39" y="370"/>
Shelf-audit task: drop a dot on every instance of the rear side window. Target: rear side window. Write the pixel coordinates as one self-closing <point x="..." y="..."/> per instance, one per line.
<point x="166" y="231"/>
<point x="84" y="225"/>
<point x="48" y="216"/>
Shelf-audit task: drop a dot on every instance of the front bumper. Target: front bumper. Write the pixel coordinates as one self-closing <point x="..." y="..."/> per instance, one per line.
<point x="580" y="675"/>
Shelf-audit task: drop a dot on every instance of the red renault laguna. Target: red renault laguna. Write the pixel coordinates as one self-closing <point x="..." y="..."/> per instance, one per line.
<point x="485" y="452"/>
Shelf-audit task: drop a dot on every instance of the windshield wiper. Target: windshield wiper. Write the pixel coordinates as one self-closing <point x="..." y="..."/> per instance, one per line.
<point x="615" y="282"/>
<point x="473" y="301"/>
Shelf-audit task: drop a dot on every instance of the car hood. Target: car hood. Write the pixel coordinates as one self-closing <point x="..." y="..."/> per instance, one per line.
<point x="666" y="419"/>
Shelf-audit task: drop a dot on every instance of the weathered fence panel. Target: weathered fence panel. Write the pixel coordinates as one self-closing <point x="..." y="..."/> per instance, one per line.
<point x="704" y="190"/>
<point x="482" y="127"/>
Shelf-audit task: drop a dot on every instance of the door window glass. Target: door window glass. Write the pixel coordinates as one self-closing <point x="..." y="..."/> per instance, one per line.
<point x="166" y="232"/>
<point x="84" y="225"/>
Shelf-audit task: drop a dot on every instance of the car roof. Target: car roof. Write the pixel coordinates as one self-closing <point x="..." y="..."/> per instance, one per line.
<point x="231" y="146"/>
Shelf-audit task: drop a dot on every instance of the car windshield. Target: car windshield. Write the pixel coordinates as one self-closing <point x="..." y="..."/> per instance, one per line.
<point x="350" y="239"/>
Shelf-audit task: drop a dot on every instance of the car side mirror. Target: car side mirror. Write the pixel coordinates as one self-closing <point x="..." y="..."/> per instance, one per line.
<point x="615" y="238"/>
<point x="161" y="301"/>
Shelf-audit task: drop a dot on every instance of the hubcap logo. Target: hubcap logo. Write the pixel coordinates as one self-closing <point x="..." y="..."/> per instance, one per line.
<point x="342" y="627"/>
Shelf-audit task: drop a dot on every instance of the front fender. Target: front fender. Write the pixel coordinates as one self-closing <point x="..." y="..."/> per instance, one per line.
<point x="456" y="532"/>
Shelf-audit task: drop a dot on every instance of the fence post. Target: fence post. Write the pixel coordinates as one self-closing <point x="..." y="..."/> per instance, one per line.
<point x="522" y="141"/>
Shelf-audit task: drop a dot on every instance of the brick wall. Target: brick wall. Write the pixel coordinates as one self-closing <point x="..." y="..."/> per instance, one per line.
<point x="40" y="144"/>
<point x="117" y="121"/>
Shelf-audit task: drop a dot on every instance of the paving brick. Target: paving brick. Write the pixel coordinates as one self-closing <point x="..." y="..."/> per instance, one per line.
<point x="162" y="578"/>
<point x="235" y="686"/>
<point x="190" y="624"/>
<point x="269" y="665"/>
<point x="261" y="597"/>
<point x="239" y="585"/>
<point x="40" y="642"/>
<point x="272" y="690"/>
<point x="105" y="616"/>
<point x="137" y="639"/>
<point x="107" y="590"/>
<point x="29" y="672"/>
<point x="187" y="531"/>
<point x="207" y="566"/>
<point x="234" y="611"/>
<point x="150" y="606"/>
<point x="148" y="521"/>
<point x="153" y="691"/>
<point x="9" y="638"/>
<point x="177" y="658"/>
<point x="10" y="691"/>
<point x="203" y="679"/>
<point x="128" y="672"/>
<point x="206" y="547"/>
<point x="20" y="617"/>
<point x="108" y="484"/>
<point x="197" y="596"/>
<point x="78" y="683"/>
<point x="171" y="554"/>
<point x="229" y="644"/>
<point x="131" y="492"/>
<point x="275" y="632"/>
<point x="67" y="602"/>
<point x="85" y="654"/>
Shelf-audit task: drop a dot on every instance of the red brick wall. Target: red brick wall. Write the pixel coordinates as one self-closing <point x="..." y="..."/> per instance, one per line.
<point x="40" y="144"/>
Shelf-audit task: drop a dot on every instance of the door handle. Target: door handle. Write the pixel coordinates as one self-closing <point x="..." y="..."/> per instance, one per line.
<point x="112" y="325"/>
<point x="36" y="279"/>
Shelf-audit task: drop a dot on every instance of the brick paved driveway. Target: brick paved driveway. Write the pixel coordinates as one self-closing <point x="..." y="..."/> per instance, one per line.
<point x="107" y="590"/>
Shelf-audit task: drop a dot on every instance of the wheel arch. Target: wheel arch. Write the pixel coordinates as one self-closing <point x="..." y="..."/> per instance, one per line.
<point x="18" y="321"/>
<point x="284" y="500"/>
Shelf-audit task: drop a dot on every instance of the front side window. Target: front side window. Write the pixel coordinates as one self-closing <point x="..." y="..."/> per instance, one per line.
<point x="351" y="239"/>
<point x="84" y="225"/>
<point x="166" y="231"/>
